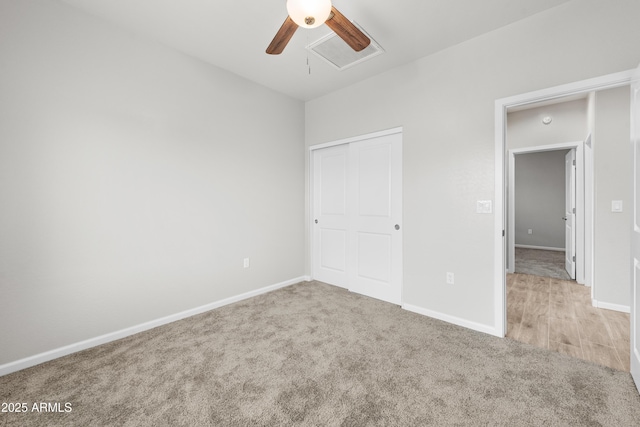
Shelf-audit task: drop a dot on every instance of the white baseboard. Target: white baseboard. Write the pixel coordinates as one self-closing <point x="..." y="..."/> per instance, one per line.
<point x="544" y="248"/>
<point x="452" y="319"/>
<point x="37" y="359"/>
<point x="610" y="306"/>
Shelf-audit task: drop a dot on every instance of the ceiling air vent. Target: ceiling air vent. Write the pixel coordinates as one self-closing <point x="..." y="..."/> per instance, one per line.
<point x="336" y="52"/>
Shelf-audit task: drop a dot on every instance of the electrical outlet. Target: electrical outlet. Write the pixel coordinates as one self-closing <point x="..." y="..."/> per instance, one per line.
<point x="450" y="278"/>
<point x="246" y="263"/>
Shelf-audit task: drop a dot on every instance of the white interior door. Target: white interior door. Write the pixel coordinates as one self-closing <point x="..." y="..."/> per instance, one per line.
<point x="635" y="233"/>
<point x="330" y="173"/>
<point x="357" y="207"/>
<point x="376" y="237"/>
<point x="570" y="213"/>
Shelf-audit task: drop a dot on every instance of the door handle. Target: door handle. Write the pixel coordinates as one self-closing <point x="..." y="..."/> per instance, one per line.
<point x="564" y="217"/>
<point x="397" y="227"/>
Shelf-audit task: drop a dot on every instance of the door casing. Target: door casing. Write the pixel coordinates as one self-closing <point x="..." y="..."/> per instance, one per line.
<point x="635" y="234"/>
<point x="584" y="229"/>
<point x="570" y="166"/>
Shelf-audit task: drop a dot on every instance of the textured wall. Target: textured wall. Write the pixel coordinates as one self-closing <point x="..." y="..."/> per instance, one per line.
<point x="540" y="199"/>
<point x="445" y="103"/>
<point x="133" y="179"/>
<point x="613" y="172"/>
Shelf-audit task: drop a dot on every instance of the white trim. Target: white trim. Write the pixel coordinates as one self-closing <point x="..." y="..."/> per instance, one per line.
<point x="589" y="213"/>
<point x="611" y="306"/>
<point x="511" y="212"/>
<point x="634" y="131"/>
<point x="356" y="138"/>
<point x="544" y="248"/>
<point x="37" y="359"/>
<point x="635" y="355"/>
<point x="608" y="81"/>
<point x="549" y="147"/>
<point x="499" y="243"/>
<point x="581" y="230"/>
<point x="452" y="319"/>
<point x="500" y="111"/>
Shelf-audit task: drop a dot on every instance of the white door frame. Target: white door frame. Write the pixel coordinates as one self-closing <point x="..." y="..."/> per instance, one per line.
<point x="501" y="105"/>
<point x="635" y="243"/>
<point x="313" y="148"/>
<point x="570" y="205"/>
<point x="581" y="229"/>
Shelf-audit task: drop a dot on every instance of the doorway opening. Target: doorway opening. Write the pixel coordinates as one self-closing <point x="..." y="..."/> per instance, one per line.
<point x="546" y="213"/>
<point x="505" y="258"/>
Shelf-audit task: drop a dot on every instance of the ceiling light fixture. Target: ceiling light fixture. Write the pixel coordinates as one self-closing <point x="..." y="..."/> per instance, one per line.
<point x="309" y="13"/>
<point x="312" y="14"/>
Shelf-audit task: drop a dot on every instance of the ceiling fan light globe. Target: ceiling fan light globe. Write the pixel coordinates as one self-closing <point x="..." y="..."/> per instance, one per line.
<point x="309" y="13"/>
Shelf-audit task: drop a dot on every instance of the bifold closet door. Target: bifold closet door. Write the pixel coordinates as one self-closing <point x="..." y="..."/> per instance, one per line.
<point x="358" y="207"/>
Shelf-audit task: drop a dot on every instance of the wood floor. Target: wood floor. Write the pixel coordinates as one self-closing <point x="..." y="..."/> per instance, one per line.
<point x="558" y="315"/>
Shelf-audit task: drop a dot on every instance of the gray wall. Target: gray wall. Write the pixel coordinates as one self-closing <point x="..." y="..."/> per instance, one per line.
<point x="540" y="199"/>
<point x="526" y="129"/>
<point x="609" y="124"/>
<point x="133" y="180"/>
<point x="445" y="103"/>
<point x="613" y="177"/>
<point x="569" y="124"/>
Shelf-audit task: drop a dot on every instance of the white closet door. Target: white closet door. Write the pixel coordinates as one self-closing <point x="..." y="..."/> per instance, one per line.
<point x="357" y="195"/>
<point x="375" y="237"/>
<point x="330" y="167"/>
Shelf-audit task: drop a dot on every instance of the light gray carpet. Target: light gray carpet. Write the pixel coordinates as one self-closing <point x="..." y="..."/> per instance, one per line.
<point x="541" y="263"/>
<point x="312" y="354"/>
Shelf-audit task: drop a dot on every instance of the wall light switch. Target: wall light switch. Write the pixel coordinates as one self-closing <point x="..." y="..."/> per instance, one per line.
<point x="484" y="207"/>
<point x="616" y="206"/>
<point x="246" y="263"/>
<point x="529" y="231"/>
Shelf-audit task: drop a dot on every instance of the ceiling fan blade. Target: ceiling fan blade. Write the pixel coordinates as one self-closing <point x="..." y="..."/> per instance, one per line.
<point x="282" y="37"/>
<point x="347" y="31"/>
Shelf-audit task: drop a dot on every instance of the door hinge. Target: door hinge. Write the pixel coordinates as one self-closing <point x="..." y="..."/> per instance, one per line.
<point x="502" y="233"/>
<point x="574" y="258"/>
<point x="574" y="163"/>
<point x="574" y="210"/>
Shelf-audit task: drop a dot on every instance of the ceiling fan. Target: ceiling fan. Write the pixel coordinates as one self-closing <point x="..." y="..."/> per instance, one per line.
<point x="311" y="14"/>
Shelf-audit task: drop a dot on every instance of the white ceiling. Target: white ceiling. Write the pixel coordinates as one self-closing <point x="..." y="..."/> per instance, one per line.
<point x="233" y="34"/>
